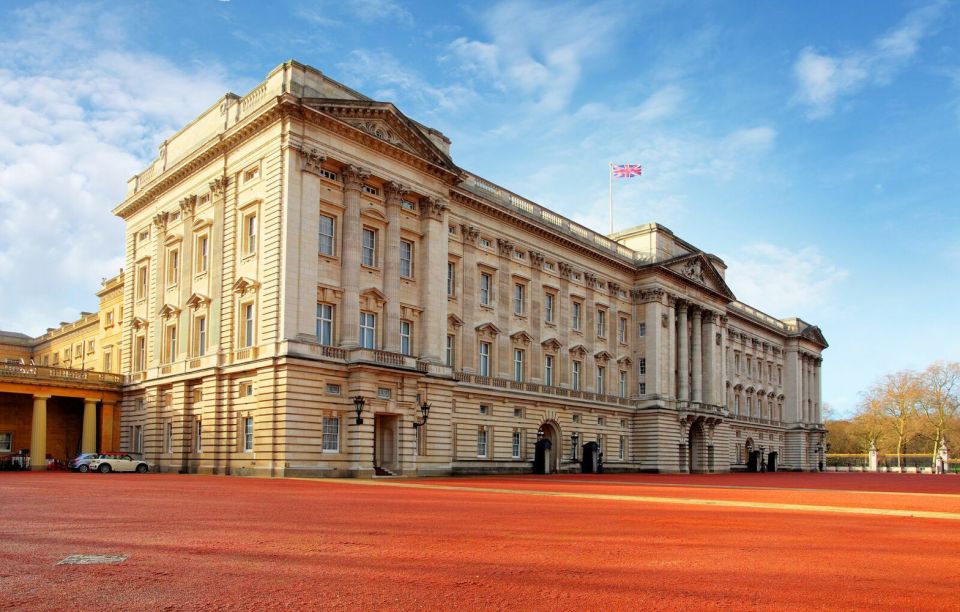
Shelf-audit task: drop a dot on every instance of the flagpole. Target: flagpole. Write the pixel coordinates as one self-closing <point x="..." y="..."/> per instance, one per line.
<point x="610" y="197"/>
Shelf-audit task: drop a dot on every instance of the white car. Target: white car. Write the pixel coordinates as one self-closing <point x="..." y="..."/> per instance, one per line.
<point x="119" y="462"/>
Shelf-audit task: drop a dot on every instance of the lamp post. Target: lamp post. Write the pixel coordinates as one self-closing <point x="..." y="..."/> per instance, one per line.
<point x="358" y="403"/>
<point x="819" y="457"/>
<point x="539" y="434"/>
<point x="425" y="411"/>
<point x="576" y="440"/>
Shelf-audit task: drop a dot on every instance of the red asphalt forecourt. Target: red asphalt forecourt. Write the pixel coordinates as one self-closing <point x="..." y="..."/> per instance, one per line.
<point x="611" y="541"/>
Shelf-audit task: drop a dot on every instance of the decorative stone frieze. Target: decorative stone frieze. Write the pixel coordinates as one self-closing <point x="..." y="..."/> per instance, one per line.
<point x="311" y="160"/>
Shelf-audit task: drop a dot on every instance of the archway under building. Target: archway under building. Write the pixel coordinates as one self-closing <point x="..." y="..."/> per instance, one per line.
<point x="697" y="449"/>
<point x="548" y="449"/>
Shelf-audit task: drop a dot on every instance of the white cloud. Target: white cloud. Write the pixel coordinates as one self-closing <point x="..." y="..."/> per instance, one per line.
<point x="370" y="11"/>
<point x="77" y="119"/>
<point x="663" y="103"/>
<point x="782" y="282"/>
<point x="823" y="79"/>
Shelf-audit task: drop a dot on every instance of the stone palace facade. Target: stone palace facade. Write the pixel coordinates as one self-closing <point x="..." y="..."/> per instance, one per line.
<point x="302" y="246"/>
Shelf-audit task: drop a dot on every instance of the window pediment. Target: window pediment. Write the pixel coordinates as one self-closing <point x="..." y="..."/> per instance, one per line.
<point x="521" y="337"/>
<point x="168" y="311"/>
<point x="488" y="331"/>
<point x="198" y="301"/>
<point x="245" y="285"/>
<point x="372" y="299"/>
<point x="578" y="350"/>
<point x="551" y="343"/>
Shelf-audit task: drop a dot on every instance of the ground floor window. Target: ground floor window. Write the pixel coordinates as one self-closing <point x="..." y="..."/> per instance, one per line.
<point x="138" y="438"/>
<point x="482" y="442"/>
<point x="516" y="444"/>
<point x="248" y="434"/>
<point x="168" y="437"/>
<point x="331" y="434"/>
<point x="6" y="442"/>
<point x="199" y="436"/>
<point x="622" y="453"/>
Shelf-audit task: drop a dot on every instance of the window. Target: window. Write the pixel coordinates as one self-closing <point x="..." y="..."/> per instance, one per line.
<point x="601" y="323"/>
<point x="451" y="350"/>
<point x="331" y="434"/>
<point x="736" y="362"/>
<point x="325" y="324"/>
<point x="622" y="331"/>
<point x="485" y="243"/>
<point x="327" y="235"/>
<point x="139" y="404"/>
<point x="643" y="330"/>
<point x="548" y="370"/>
<point x="601" y="421"/>
<point x="141" y="353"/>
<point x="601" y="379"/>
<point x="518" y="365"/>
<point x="577" y="315"/>
<point x="406" y="259"/>
<point x="142" y="281"/>
<point x="168" y="437"/>
<point x="575" y="376"/>
<point x="368" y="330"/>
<point x="518" y="255"/>
<point x="384" y="393"/>
<point x="623" y="423"/>
<point x="484" y="359"/>
<point x="515" y="446"/>
<point x="173" y="267"/>
<point x="108" y="359"/>
<point x="643" y="388"/>
<point x="250" y="234"/>
<point x="248" y="434"/>
<point x="138" y="438"/>
<point x="576" y="418"/>
<point x="328" y="174"/>
<point x="736" y="404"/>
<point x="485" y="283"/>
<point x="548" y="308"/>
<point x="622" y="450"/>
<point x="333" y="389"/>
<point x="246" y="389"/>
<point x="484" y="409"/>
<point x="518" y="298"/>
<point x="749" y="366"/>
<point x="452" y="230"/>
<point x="203" y="254"/>
<point x="779" y="375"/>
<point x="171" y="352"/>
<point x="451" y="278"/>
<point x="643" y="365"/>
<point x="248" y="328"/>
<point x="368" y="249"/>
<point x="6" y="442"/>
<point x="481" y="442"/>
<point x="371" y="190"/>
<point x="200" y="339"/>
<point x="518" y="413"/>
<point x="405" y="345"/>
<point x="251" y="174"/>
<point x="623" y="383"/>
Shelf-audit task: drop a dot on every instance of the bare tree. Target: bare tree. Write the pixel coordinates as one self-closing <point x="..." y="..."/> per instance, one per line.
<point x="896" y="397"/>
<point x="940" y="400"/>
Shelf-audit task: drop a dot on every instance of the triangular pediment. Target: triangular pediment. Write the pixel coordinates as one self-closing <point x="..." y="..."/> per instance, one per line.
<point x="169" y="310"/>
<point x="488" y="329"/>
<point x="813" y="334"/>
<point x="384" y="122"/>
<point x="551" y="343"/>
<point x="603" y="356"/>
<point x="245" y="284"/>
<point x="521" y="337"/>
<point x="578" y="350"/>
<point x="139" y="323"/>
<point x="197" y="301"/>
<point x="625" y="361"/>
<point x="454" y="320"/>
<point x="697" y="269"/>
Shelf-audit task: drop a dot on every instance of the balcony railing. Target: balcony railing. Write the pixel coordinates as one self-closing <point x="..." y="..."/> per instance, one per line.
<point x="505" y="383"/>
<point x="47" y="373"/>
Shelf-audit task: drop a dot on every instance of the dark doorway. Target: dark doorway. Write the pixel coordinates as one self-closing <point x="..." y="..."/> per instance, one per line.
<point x="697" y="447"/>
<point x="590" y="462"/>
<point x="753" y="461"/>
<point x="772" y="462"/>
<point x="541" y="456"/>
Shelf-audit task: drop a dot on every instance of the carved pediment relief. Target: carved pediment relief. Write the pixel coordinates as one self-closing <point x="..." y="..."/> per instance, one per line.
<point x="168" y="311"/>
<point x="696" y="268"/>
<point x="139" y="323"/>
<point x="245" y="285"/>
<point x="329" y="295"/>
<point x="551" y="343"/>
<point x="603" y="357"/>
<point x="578" y="350"/>
<point x="625" y="361"/>
<point x="372" y="299"/>
<point x="521" y="337"/>
<point x="410" y="313"/>
<point x="198" y="301"/>
<point x="813" y="334"/>
<point x="454" y="321"/>
<point x="487" y="331"/>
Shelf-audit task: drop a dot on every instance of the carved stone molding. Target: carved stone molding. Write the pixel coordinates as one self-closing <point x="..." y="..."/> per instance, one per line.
<point x="311" y="160"/>
<point x="470" y="233"/>
<point x="188" y="205"/>
<point x="536" y="258"/>
<point x="505" y="247"/>
<point x="160" y="220"/>
<point x="590" y="279"/>
<point x="651" y="295"/>
<point x="353" y="177"/>
<point x="218" y="186"/>
<point x="432" y="208"/>
<point x="693" y="270"/>
<point x="565" y="269"/>
<point x="613" y="287"/>
<point x="394" y="192"/>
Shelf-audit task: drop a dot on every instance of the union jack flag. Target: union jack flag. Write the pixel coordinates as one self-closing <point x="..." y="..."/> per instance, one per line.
<point x="626" y="170"/>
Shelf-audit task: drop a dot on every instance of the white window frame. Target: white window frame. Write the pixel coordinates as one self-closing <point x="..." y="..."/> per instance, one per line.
<point x="518" y="364"/>
<point x="203" y="254"/>
<point x="368" y="247"/>
<point x="643" y="330"/>
<point x="601" y="379"/>
<point x="519" y="298"/>
<point x="327" y="241"/>
<point x="576" y="372"/>
<point x="406" y="337"/>
<point x="601" y="323"/>
<point x="548" y="370"/>
<point x="516" y="444"/>
<point x="482" y="442"/>
<point x="331" y="434"/>
<point x="406" y="259"/>
<point x="548" y="303"/>
<point x="484" y="361"/>
<point x="6" y="441"/>
<point x="486" y="284"/>
<point x="451" y="279"/>
<point x="324" y="323"/>
<point x="642" y="361"/>
<point x="248" y="434"/>
<point x="451" y="350"/>
<point x="248" y="315"/>
<point x="576" y="314"/>
<point x="368" y="330"/>
<point x="622" y="330"/>
<point x="200" y="336"/>
<point x="623" y="383"/>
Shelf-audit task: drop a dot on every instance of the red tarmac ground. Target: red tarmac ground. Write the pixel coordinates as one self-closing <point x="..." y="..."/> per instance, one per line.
<point x="613" y="541"/>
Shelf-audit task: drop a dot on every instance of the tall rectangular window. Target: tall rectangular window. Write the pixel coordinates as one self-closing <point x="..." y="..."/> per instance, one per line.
<point x="328" y="228"/>
<point x="141" y="353"/>
<point x="622" y="452"/>
<point x="368" y="330"/>
<point x="451" y="350"/>
<point x="138" y="438"/>
<point x="484" y="359"/>
<point x="548" y="370"/>
<point x="548" y="300"/>
<point x="142" y="280"/>
<point x="601" y="323"/>
<point x="622" y="331"/>
<point x="406" y="259"/>
<point x="171" y="344"/>
<point x="248" y="434"/>
<point x="736" y="362"/>
<point x="515" y="445"/>
<point x="368" y="249"/>
<point x="200" y="343"/>
<point x="250" y="234"/>
<point x="325" y="324"/>
<point x="601" y="379"/>
<point x="331" y="434"/>
<point x="485" y="283"/>
<point x="198" y="436"/>
<point x="203" y="254"/>
<point x="518" y="298"/>
<point x="643" y="388"/>
<point x="736" y="404"/>
<point x="168" y="437"/>
<point x="173" y="267"/>
<point x="406" y="346"/>
<point x="643" y="365"/>
<point x="577" y="315"/>
<point x="451" y="278"/>
<point x="248" y="326"/>
<point x="575" y="375"/>
<point x="481" y="441"/>
<point x="518" y="365"/>
<point x="623" y="383"/>
<point x="107" y="359"/>
<point x="643" y="330"/>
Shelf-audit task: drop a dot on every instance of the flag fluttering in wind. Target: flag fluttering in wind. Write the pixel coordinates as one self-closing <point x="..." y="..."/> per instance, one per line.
<point x="621" y="171"/>
<point x="626" y="170"/>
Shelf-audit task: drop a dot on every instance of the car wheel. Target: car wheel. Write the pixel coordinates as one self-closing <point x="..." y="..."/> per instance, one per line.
<point x="142" y="468"/>
<point x="83" y="469"/>
<point x="105" y="468"/>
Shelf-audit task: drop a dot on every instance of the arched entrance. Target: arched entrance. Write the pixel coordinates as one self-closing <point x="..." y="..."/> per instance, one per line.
<point x="697" y="447"/>
<point x="751" y="455"/>
<point x="548" y="450"/>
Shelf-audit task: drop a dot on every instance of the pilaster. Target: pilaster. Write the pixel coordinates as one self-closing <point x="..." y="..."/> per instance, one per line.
<point x="353" y="178"/>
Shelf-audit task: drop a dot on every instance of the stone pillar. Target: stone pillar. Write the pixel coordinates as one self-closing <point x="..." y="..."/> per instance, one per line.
<point x="590" y="333"/>
<point x="38" y="433"/>
<point x="88" y="440"/>
<point x="353" y="178"/>
<point x="109" y="427"/>
<point x="805" y="364"/>
<point x="670" y="340"/>
<point x="710" y="395"/>
<point x="535" y="314"/>
<point x="433" y="284"/>
<point x="722" y="355"/>
<point x="564" y="369"/>
<point x="652" y="311"/>
<point x="502" y="364"/>
<point x="683" y="353"/>
<point x="187" y="208"/>
<point x="468" y="340"/>
<point x="817" y="390"/>
<point x="697" y="350"/>
<point x="393" y="193"/>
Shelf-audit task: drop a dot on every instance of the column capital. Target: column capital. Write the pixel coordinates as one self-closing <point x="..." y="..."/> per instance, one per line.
<point x="505" y="247"/>
<point x="394" y="192"/>
<point x="432" y="208"/>
<point x="218" y="186"/>
<point x="696" y="312"/>
<point x="565" y="269"/>
<point x="188" y="205"/>
<point x="91" y="399"/>
<point x="470" y="233"/>
<point x="311" y="160"/>
<point x="42" y="396"/>
<point x="536" y="258"/>
<point x="354" y="176"/>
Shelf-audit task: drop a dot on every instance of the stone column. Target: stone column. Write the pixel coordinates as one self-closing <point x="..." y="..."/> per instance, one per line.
<point x="723" y="373"/>
<point x="710" y="395"/>
<point x="109" y="427"/>
<point x="683" y="353"/>
<point x="468" y="340"/>
<point x="697" y="350"/>
<point x="187" y="208"/>
<point x="38" y="433"/>
<point x="817" y="389"/>
<point x="535" y="314"/>
<point x="805" y="365"/>
<point x="88" y="440"/>
<point x="652" y="313"/>
<point x="564" y="369"/>
<point x="353" y="178"/>
<point x="433" y="284"/>
<point x="502" y="366"/>
<point x="393" y="193"/>
<point x="590" y="333"/>
<point x="670" y="340"/>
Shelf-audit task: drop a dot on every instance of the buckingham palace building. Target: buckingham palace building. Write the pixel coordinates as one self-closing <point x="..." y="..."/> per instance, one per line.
<point x="313" y="287"/>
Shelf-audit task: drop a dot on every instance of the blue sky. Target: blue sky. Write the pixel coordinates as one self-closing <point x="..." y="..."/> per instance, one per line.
<point x="813" y="146"/>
